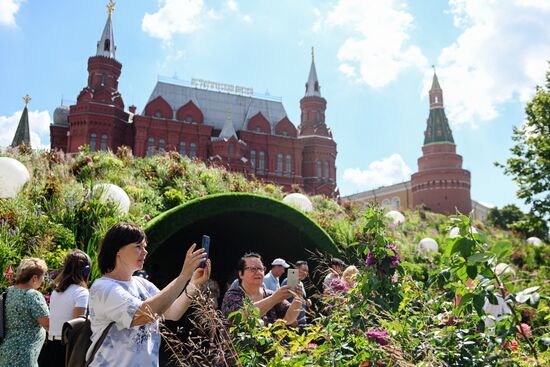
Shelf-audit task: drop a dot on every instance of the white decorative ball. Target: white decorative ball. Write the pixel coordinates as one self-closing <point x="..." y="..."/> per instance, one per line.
<point x="299" y="200"/>
<point x="427" y="245"/>
<point x="111" y="192"/>
<point x="13" y="175"/>
<point x="503" y="269"/>
<point x="534" y="241"/>
<point x="395" y="217"/>
<point x="455" y="231"/>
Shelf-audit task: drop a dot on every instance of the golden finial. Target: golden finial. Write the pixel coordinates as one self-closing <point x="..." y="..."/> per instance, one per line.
<point x="312" y="55"/>
<point x="27" y="99"/>
<point x="111" y="7"/>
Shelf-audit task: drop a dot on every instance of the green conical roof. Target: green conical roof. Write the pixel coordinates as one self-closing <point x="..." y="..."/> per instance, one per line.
<point x="23" y="133"/>
<point x="438" y="130"/>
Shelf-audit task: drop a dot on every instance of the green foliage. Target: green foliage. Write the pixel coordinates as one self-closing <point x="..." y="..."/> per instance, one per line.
<point x="431" y="307"/>
<point x="529" y="165"/>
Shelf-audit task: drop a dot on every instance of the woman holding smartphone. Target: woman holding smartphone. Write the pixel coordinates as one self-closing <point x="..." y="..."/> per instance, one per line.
<point x="272" y="305"/>
<point x="133" y="304"/>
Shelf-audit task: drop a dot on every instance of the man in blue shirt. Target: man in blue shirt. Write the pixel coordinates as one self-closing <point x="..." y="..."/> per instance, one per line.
<point x="271" y="279"/>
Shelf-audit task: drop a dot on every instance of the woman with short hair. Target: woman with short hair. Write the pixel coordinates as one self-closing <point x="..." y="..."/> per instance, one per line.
<point x="69" y="300"/>
<point x="132" y="304"/>
<point x="272" y="305"/>
<point x="26" y="316"/>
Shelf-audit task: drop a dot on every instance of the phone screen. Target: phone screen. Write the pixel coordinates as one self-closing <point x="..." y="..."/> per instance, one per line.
<point x="206" y="247"/>
<point x="292" y="278"/>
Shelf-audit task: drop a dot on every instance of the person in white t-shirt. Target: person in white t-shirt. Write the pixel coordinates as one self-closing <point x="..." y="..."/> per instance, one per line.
<point x="133" y="304"/>
<point x="69" y="300"/>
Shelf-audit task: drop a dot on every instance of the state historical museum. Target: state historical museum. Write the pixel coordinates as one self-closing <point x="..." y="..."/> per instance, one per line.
<point x="245" y="133"/>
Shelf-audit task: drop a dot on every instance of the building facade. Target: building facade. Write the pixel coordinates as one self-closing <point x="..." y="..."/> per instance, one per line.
<point x="244" y="132"/>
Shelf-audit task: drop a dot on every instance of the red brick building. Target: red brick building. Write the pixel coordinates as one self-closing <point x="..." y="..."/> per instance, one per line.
<point x="440" y="184"/>
<point x="227" y="126"/>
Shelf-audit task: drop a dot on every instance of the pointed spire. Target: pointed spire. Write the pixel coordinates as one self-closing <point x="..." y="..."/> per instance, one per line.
<point x="228" y="130"/>
<point x="106" y="45"/>
<point x="437" y="129"/>
<point x="23" y="133"/>
<point x="312" y="85"/>
<point x="435" y="82"/>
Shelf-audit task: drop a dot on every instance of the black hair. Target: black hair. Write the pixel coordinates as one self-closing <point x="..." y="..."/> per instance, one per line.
<point x="118" y="236"/>
<point x="74" y="271"/>
<point x="337" y="262"/>
<point x="242" y="262"/>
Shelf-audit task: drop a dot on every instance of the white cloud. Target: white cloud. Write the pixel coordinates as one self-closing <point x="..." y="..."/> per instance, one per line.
<point x="232" y="5"/>
<point x="39" y="124"/>
<point x="385" y="172"/>
<point x="8" y="10"/>
<point x="499" y="56"/>
<point x="247" y="18"/>
<point x="377" y="48"/>
<point x="174" y="17"/>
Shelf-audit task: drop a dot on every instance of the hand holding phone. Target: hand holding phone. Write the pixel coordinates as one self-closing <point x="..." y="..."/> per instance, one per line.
<point x="292" y="278"/>
<point x="206" y="247"/>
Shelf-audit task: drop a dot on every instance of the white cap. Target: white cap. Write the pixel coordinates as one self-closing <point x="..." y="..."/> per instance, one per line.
<point x="281" y="262"/>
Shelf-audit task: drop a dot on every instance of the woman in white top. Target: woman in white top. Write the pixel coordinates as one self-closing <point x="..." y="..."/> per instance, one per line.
<point x="68" y="301"/>
<point x="133" y="303"/>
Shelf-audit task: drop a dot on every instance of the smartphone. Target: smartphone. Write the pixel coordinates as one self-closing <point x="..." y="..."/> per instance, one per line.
<point x="292" y="278"/>
<point x="206" y="247"/>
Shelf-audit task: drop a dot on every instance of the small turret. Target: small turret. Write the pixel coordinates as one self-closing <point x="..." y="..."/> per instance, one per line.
<point x="23" y="133"/>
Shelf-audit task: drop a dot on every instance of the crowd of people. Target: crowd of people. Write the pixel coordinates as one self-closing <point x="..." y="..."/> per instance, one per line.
<point x="128" y="307"/>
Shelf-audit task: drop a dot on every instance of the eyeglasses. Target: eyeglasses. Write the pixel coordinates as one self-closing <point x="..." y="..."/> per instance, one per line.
<point x="255" y="269"/>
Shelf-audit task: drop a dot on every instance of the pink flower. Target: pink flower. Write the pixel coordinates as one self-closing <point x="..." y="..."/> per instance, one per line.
<point x="147" y="217"/>
<point x="9" y="272"/>
<point x="526" y="330"/>
<point x="311" y="346"/>
<point x="378" y="336"/>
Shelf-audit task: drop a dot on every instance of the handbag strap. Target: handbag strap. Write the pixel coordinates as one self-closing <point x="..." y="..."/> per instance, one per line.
<point x="97" y="345"/>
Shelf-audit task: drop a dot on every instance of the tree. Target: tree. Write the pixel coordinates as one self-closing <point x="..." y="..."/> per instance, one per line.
<point x="505" y="216"/>
<point x="529" y="165"/>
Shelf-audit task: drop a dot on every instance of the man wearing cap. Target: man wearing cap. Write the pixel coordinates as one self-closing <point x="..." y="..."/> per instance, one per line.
<point x="271" y="279"/>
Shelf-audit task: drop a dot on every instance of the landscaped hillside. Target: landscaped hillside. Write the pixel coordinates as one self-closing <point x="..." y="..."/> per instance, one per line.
<point x="408" y="308"/>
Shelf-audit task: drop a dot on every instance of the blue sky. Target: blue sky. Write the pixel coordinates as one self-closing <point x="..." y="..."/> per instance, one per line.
<point x="373" y="60"/>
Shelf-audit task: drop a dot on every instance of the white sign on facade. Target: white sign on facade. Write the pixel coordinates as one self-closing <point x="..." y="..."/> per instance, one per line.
<point x="222" y="87"/>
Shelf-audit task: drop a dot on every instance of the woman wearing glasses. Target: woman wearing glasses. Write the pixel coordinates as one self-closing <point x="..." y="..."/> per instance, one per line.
<point x="272" y="305"/>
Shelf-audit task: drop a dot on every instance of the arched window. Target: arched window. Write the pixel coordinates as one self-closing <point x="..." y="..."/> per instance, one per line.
<point x="93" y="142"/>
<point x="103" y="145"/>
<point x="279" y="164"/>
<point x="182" y="148"/>
<point x="285" y="133"/>
<point x="150" y="146"/>
<point x="162" y="143"/>
<point x="107" y="45"/>
<point x="288" y="167"/>
<point x="258" y="129"/>
<point x="192" y="150"/>
<point x="158" y="113"/>
<point x="396" y="202"/>
<point x="327" y="170"/>
<point x="317" y="116"/>
<point x="231" y="150"/>
<point x="103" y="79"/>
<point x="319" y="169"/>
<point x="261" y="164"/>
<point x="385" y="202"/>
<point x="253" y="160"/>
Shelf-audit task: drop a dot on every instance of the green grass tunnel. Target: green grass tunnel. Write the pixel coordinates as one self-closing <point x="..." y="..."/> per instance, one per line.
<point x="236" y="223"/>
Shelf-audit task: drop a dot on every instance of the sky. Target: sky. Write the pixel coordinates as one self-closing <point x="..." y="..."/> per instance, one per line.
<point x="373" y="57"/>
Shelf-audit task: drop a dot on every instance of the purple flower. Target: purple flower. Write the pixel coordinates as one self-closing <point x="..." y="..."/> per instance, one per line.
<point x="370" y="259"/>
<point x="337" y="285"/>
<point x="395" y="258"/>
<point x="378" y="336"/>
